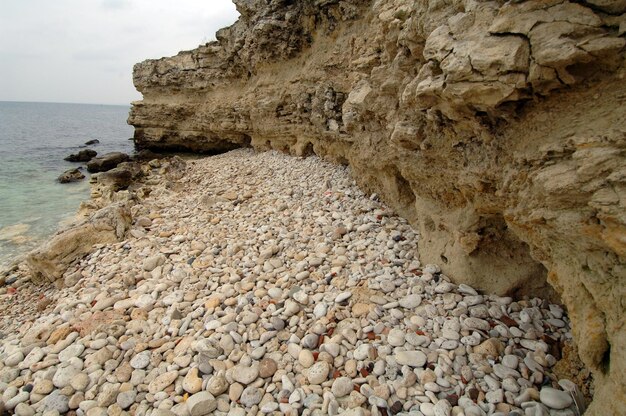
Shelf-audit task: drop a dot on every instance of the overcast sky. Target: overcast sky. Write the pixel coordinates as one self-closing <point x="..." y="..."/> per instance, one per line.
<point x="83" y="51"/>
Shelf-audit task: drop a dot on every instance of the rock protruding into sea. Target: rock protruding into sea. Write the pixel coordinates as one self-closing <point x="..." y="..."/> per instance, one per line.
<point x="51" y="260"/>
<point x="92" y="142"/>
<point x="106" y="162"/>
<point x="121" y="176"/>
<point x="71" y="175"/>
<point x="83" y="156"/>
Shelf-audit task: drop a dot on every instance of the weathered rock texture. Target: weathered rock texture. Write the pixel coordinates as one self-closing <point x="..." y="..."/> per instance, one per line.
<point x="52" y="259"/>
<point x="498" y="129"/>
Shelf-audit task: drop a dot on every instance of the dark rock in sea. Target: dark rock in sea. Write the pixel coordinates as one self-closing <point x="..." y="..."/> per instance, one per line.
<point x="82" y="156"/>
<point x="71" y="175"/>
<point x="120" y="177"/>
<point x="94" y="141"/>
<point x="106" y="162"/>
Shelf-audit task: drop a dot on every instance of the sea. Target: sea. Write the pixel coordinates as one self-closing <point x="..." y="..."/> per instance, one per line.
<point x="34" y="139"/>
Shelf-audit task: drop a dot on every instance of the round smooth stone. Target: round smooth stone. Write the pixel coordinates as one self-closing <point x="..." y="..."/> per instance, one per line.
<point x="411" y="301"/>
<point x="510" y="361"/>
<point x="555" y="399"/>
<point x="343" y="296"/>
<point x="411" y="358"/>
<point x="342" y="386"/>
<point x="396" y="337"/>
<point x="245" y="375"/>
<point x="251" y="396"/>
<point x="140" y="361"/>
<point x="306" y="359"/>
<point x="318" y="373"/>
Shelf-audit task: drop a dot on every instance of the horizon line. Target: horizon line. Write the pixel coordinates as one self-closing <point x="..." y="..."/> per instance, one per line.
<point x="63" y="102"/>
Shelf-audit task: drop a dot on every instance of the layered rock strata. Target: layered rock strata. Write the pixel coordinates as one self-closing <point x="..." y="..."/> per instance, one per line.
<point x="496" y="128"/>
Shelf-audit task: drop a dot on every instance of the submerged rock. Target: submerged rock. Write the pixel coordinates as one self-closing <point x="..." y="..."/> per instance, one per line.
<point x="71" y="175"/>
<point x="83" y="156"/>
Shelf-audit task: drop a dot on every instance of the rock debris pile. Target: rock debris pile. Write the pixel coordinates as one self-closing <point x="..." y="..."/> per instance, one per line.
<point x="264" y="284"/>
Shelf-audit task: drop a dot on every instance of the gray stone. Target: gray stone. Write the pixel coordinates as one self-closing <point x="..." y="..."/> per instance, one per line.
<point x="55" y="401"/>
<point x="64" y="376"/>
<point x="245" y="375"/>
<point x="342" y="386"/>
<point x="342" y="297"/>
<point x="126" y="399"/>
<point x="411" y="301"/>
<point x="141" y="360"/>
<point x="74" y="350"/>
<point x="23" y="409"/>
<point x="251" y="396"/>
<point x="555" y="399"/>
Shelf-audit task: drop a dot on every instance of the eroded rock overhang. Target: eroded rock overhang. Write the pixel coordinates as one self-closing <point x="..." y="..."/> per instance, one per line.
<point x="497" y="128"/>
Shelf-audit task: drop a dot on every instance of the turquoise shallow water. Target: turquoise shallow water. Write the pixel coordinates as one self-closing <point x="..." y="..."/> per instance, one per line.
<point x="34" y="139"/>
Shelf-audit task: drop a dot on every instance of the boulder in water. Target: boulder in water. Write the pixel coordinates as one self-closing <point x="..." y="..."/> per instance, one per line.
<point x="82" y="156"/>
<point x="71" y="175"/>
<point x="106" y="162"/>
<point x="91" y="142"/>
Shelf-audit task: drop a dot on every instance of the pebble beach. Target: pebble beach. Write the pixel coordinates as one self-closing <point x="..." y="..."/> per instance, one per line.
<point x="259" y="283"/>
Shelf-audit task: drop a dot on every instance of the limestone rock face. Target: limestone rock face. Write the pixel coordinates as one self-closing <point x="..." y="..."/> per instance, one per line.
<point x="51" y="260"/>
<point x="496" y="128"/>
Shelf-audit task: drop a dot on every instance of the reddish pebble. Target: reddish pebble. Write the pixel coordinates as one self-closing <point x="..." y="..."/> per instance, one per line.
<point x="336" y="374"/>
<point x="11" y="290"/>
<point x="364" y="372"/>
<point x="320" y="340"/>
<point x="473" y="393"/>
<point x="508" y="321"/>
<point x="315" y="355"/>
<point x="371" y="336"/>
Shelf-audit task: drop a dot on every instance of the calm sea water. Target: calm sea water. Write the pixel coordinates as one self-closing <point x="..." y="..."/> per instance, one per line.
<point x="34" y="139"/>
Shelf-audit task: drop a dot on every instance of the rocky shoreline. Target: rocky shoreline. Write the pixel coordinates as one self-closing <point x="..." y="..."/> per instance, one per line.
<point x="258" y="283"/>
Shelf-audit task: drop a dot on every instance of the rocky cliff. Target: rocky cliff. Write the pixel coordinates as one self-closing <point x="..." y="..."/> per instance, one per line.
<point x="497" y="128"/>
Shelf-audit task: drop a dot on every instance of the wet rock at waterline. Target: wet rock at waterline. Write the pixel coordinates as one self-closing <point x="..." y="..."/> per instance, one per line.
<point x="106" y="162"/>
<point x="71" y="175"/>
<point x="82" y="156"/>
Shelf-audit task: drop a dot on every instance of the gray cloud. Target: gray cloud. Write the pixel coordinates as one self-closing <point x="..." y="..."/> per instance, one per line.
<point x="78" y="51"/>
<point x="115" y="4"/>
